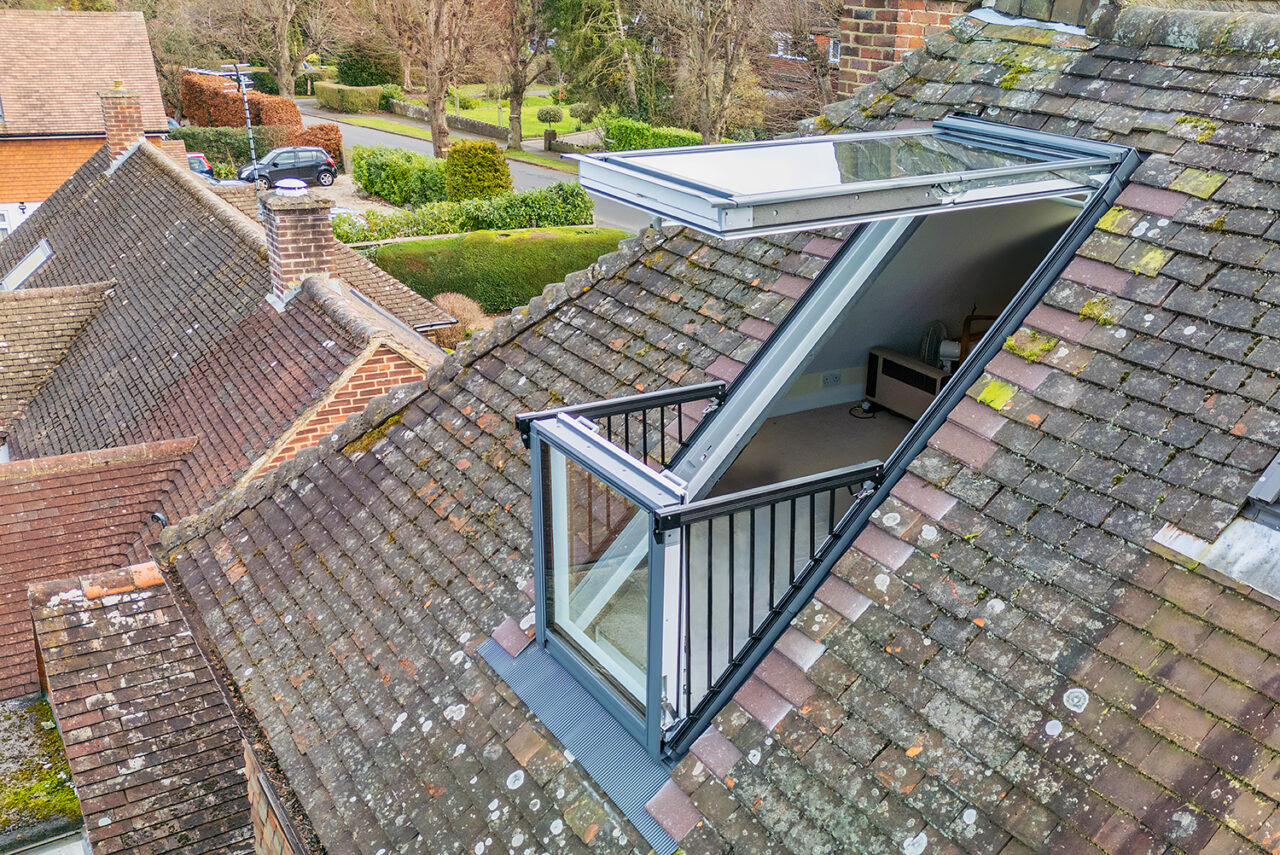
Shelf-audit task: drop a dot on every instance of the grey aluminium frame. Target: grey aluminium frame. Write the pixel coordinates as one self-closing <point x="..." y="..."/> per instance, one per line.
<point x="649" y="491"/>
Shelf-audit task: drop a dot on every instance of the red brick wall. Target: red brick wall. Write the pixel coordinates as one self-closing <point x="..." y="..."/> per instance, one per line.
<point x="379" y="374"/>
<point x="268" y="835"/>
<point x="875" y="34"/>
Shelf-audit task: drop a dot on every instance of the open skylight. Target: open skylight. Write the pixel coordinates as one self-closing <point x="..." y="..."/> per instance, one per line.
<point x="813" y="182"/>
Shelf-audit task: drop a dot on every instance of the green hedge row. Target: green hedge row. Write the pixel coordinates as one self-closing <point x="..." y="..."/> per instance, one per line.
<point x="498" y="269"/>
<point x="230" y="146"/>
<point x="563" y="204"/>
<point x="622" y="134"/>
<point x="401" y="177"/>
<point x="347" y="99"/>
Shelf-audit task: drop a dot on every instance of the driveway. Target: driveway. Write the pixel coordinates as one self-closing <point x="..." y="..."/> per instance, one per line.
<point x="524" y="176"/>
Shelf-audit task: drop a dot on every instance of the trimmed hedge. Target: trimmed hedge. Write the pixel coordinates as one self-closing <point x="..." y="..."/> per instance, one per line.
<point x="399" y="176"/>
<point x="230" y="146"/>
<point x="264" y="82"/>
<point x="563" y="204"/>
<point x="475" y="169"/>
<point x="328" y="136"/>
<point x="209" y="102"/>
<point x="499" y="269"/>
<point x="622" y="134"/>
<point x="348" y="99"/>
<point x="549" y="115"/>
<point x="369" y="63"/>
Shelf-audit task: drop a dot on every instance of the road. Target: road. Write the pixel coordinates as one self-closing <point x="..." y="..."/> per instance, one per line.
<point x="524" y="176"/>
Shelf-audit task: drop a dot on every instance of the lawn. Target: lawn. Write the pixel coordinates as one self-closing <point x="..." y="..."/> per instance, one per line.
<point x="551" y="161"/>
<point x="498" y="269"/>
<point x="530" y="127"/>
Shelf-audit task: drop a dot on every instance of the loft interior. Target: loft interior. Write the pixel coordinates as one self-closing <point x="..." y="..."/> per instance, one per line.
<point x="897" y="343"/>
<point x="667" y="564"/>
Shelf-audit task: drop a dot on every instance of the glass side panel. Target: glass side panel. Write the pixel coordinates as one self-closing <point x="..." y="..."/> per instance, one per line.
<point x="752" y="170"/>
<point x="598" y="570"/>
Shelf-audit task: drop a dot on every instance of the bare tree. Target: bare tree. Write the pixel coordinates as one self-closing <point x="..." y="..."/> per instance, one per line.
<point x="178" y="31"/>
<point x="432" y="33"/>
<point x="809" y="26"/>
<point x="282" y="32"/>
<point x="712" y="42"/>
<point x="521" y="47"/>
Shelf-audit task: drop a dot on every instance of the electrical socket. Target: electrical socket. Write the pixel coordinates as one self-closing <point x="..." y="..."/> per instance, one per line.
<point x="831" y="378"/>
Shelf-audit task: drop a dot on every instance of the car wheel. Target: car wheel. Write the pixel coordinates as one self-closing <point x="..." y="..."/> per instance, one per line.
<point x="325" y="178"/>
<point x="263" y="182"/>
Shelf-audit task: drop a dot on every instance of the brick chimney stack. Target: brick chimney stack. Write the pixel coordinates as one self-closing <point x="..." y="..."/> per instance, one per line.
<point x="122" y="115"/>
<point x="300" y="241"/>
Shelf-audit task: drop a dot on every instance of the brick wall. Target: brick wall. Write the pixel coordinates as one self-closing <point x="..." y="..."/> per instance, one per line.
<point x="268" y="827"/>
<point x="244" y="198"/>
<point x="875" y="34"/>
<point x="383" y="370"/>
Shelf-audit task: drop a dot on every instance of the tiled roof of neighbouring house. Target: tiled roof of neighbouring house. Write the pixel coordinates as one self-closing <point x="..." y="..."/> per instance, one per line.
<point x="36" y="329"/>
<point x="186" y="345"/>
<point x="73" y="514"/>
<point x="51" y="85"/>
<point x="921" y="703"/>
<point x="155" y="754"/>
<point x="392" y="732"/>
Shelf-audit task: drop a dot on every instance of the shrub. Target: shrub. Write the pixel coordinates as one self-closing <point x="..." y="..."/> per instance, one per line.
<point x="212" y="102"/>
<point x="348" y="99"/>
<point x="399" y="176"/>
<point x="475" y="169"/>
<point x="622" y="134"/>
<point x="303" y="82"/>
<point x="462" y="102"/>
<point x="550" y="115"/>
<point x="264" y="82"/>
<point x="470" y="315"/>
<point x="369" y="63"/>
<point x="328" y="136"/>
<point x="500" y="269"/>
<point x="563" y="204"/>
<point x="230" y="146"/>
<point x="390" y="92"/>
<point x="582" y="111"/>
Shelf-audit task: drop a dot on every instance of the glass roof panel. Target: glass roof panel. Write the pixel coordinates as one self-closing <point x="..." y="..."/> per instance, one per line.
<point x="816" y="163"/>
<point x="742" y="189"/>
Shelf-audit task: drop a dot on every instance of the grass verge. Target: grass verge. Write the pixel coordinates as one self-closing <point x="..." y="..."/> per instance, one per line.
<point x="388" y="125"/>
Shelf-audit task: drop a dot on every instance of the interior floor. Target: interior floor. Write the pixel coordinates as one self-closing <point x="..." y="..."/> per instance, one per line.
<point x="812" y="441"/>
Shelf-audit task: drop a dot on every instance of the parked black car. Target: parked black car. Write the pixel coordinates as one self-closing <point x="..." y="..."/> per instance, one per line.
<point x="308" y="163"/>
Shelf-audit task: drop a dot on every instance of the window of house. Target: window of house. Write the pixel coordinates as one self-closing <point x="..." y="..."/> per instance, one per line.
<point x="833" y="50"/>
<point x="24" y="269"/>
<point x="670" y="557"/>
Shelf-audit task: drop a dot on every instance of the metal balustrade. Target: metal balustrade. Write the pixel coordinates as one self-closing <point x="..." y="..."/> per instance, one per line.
<point x="744" y="558"/>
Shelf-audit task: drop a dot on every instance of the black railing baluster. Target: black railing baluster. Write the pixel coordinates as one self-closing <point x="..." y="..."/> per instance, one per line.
<point x="710" y="598"/>
<point x="686" y="551"/>
<point x="791" y="553"/>
<point x="751" y="570"/>
<point x="733" y="648"/>
<point x="813" y="523"/>
<point x="662" y="434"/>
<point x="831" y="513"/>
<point x="644" y="435"/>
<point x="773" y="551"/>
